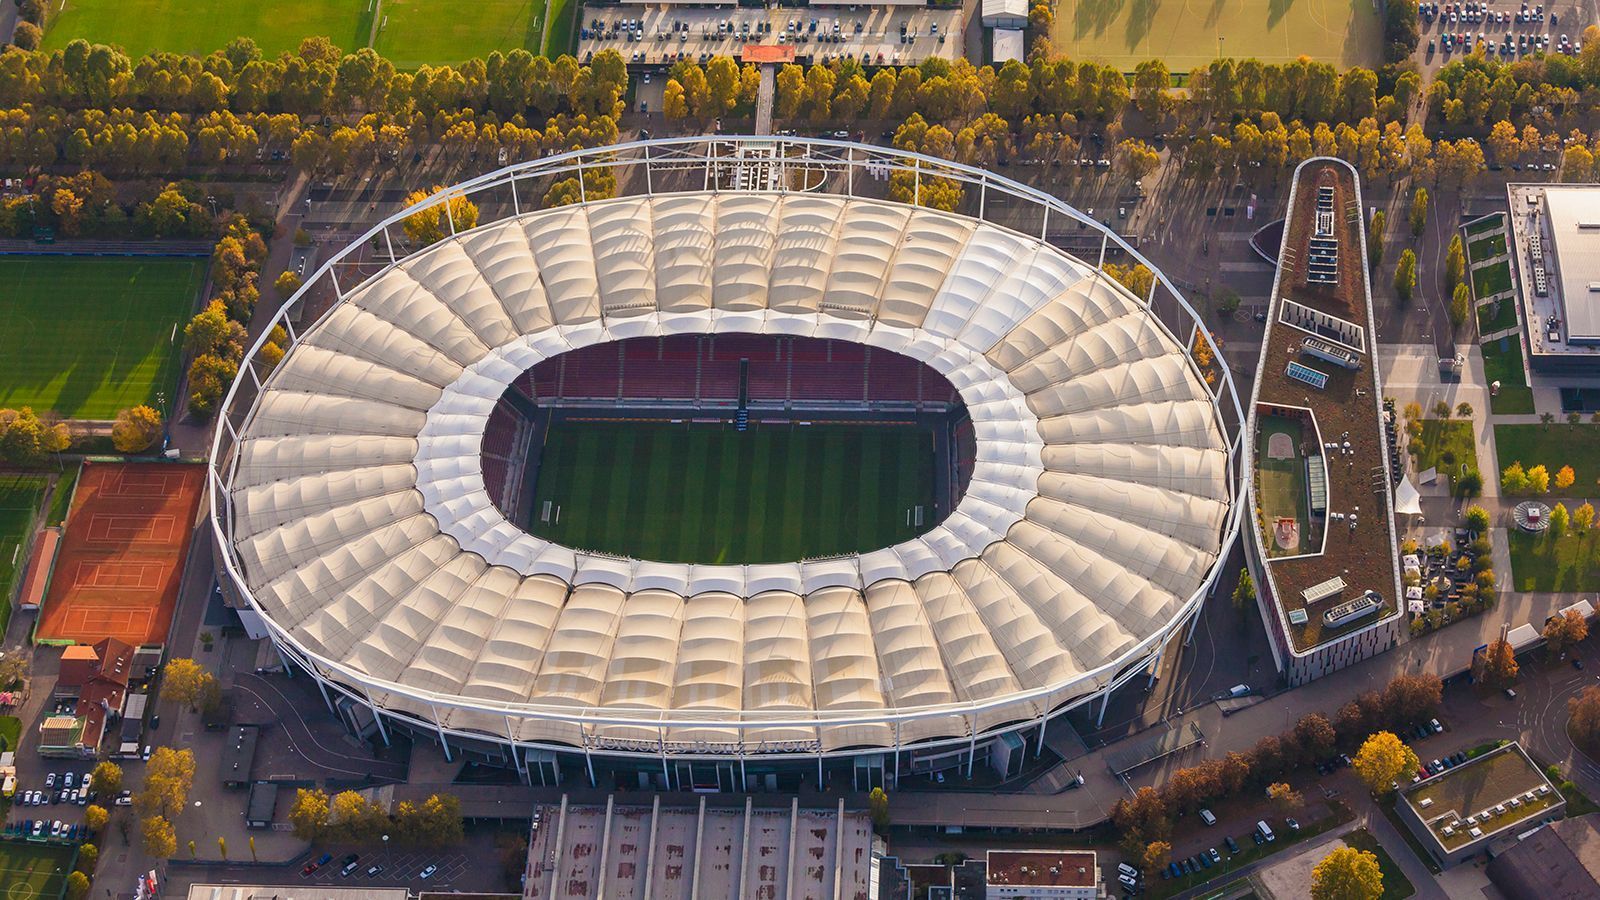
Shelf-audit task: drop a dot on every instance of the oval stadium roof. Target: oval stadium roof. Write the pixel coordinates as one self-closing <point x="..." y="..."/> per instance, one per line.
<point x="1097" y="507"/>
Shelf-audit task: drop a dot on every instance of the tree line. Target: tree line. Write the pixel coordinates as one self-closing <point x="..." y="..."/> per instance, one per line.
<point x="1147" y="816"/>
<point x="349" y="817"/>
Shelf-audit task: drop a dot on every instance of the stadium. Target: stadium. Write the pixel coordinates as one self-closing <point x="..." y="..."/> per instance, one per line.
<point x="746" y="465"/>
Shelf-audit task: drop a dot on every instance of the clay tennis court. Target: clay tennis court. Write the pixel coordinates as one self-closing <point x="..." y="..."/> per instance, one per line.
<point x="127" y="537"/>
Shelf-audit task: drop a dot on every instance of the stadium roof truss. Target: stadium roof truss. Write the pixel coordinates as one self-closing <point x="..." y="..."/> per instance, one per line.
<point x="351" y="511"/>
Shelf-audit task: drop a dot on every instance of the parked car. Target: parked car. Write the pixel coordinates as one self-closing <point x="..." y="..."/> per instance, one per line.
<point x="428" y="872"/>
<point x="1435" y="725"/>
<point x="1215" y="856"/>
<point x="373" y="871"/>
<point x="50" y="780"/>
<point x="1233" y="845"/>
<point x="1208" y="817"/>
<point x="1293" y="823"/>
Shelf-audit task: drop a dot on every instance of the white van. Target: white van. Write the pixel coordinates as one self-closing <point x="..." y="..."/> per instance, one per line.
<point x="1127" y="870"/>
<point x="1266" y="831"/>
<point x="1207" y="817"/>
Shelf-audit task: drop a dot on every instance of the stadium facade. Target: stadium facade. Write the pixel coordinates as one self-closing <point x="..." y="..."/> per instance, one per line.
<point x="351" y="514"/>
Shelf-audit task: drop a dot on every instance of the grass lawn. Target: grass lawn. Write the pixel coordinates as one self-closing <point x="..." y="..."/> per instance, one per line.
<point x="1540" y="563"/>
<point x="19" y="502"/>
<point x="201" y="26"/>
<point x="1488" y="223"/>
<point x="35" y="869"/>
<point x="1395" y="884"/>
<point x="712" y="495"/>
<point x="1553" y="446"/>
<point x="87" y="336"/>
<point x="1487" y="248"/>
<point x="417" y="34"/>
<point x="1446" y="445"/>
<point x="61" y="500"/>
<point x="1502" y="362"/>
<point x="561" y="33"/>
<point x="1497" y="316"/>
<point x="10" y="732"/>
<point x="1188" y="36"/>
<point x="1282" y="485"/>
<point x="1491" y="280"/>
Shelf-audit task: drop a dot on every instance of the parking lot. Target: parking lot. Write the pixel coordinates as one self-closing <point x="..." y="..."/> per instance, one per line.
<point x="657" y="36"/>
<point x="1508" y="31"/>
<point x="395" y="867"/>
<point x="44" y="797"/>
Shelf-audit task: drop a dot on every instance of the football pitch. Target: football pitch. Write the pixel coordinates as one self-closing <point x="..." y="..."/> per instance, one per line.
<point x="410" y="33"/>
<point x="33" y="871"/>
<point x="415" y="33"/>
<point x="706" y="494"/>
<point x="201" y="26"/>
<point x="86" y="336"/>
<point x="1189" y="34"/>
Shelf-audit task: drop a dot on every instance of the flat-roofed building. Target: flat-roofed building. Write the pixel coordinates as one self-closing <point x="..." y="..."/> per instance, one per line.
<point x="1560" y="861"/>
<point x="1480" y="805"/>
<point x="1072" y="874"/>
<point x="1573" y="213"/>
<point x="665" y="851"/>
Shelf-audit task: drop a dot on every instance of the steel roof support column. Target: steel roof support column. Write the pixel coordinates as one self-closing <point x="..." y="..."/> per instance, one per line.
<point x="916" y="187"/>
<point x="450" y="216"/>
<point x="972" y="747"/>
<point x="389" y="242"/>
<point x="983" y="197"/>
<point x="588" y="760"/>
<point x="521" y="764"/>
<point x="376" y="716"/>
<point x="649" y="182"/>
<point x="665" y="772"/>
<point x="1044" y="719"/>
<point x="1105" y="701"/>
<point x="897" y="754"/>
<point x="323" y="687"/>
<point x="1195" y="622"/>
<point x="439" y="726"/>
<point x="1104" y="237"/>
<point x="516" y="203"/>
<point x="744" y="780"/>
<point x="1155" y="667"/>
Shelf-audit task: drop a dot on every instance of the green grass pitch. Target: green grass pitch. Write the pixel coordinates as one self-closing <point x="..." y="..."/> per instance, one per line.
<point x="414" y="33"/>
<point x="711" y="495"/>
<point x="19" y="502"/>
<point x="34" y="871"/>
<point x="201" y="26"/>
<point x="87" y="336"/>
<point x="1189" y="34"/>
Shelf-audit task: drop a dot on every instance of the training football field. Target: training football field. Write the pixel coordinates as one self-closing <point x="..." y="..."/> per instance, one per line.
<point x="201" y="26"/>
<point x="1189" y="34"/>
<point x="33" y="871"/>
<point x="709" y="494"/>
<point x="85" y="336"/>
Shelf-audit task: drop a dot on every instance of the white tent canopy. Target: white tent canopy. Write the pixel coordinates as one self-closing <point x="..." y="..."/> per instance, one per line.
<point x="1095" y="509"/>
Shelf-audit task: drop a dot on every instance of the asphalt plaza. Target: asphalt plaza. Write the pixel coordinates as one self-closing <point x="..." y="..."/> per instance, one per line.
<point x="399" y="867"/>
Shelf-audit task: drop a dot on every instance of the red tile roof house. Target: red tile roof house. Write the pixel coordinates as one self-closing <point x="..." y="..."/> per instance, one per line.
<point x="97" y="676"/>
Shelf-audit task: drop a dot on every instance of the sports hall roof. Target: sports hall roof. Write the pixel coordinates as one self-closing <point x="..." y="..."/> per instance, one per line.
<point x="1095" y="510"/>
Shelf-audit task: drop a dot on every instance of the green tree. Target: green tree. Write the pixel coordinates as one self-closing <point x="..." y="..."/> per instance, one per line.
<point x="136" y="429"/>
<point x="1405" y="275"/>
<point x="1455" y="263"/>
<point x="286" y="283"/>
<point x="1497" y="665"/>
<point x="1375" y="239"/>
<point x="1244" y="593"/>
<point x="107" y="777"/>
<point x="88" y="858"/>
<point x="26" y="439"/>
<point x="184" y="680"/>
<point x="431" y="225"/>
<point x="1559" y="520"/>
<point x="1477" y="519"/>
<point x="309" y="813"/>
<point x="159" y="839"/>
<point x="1347" y="874"/>
<point x="77" y="882"/>
<point x="1382" y="760"/>
<point x="1419" y="211"/>
<point x="878" y="805"/>
<point x="1460" y="305"/>
<point x="95" y="817"/>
